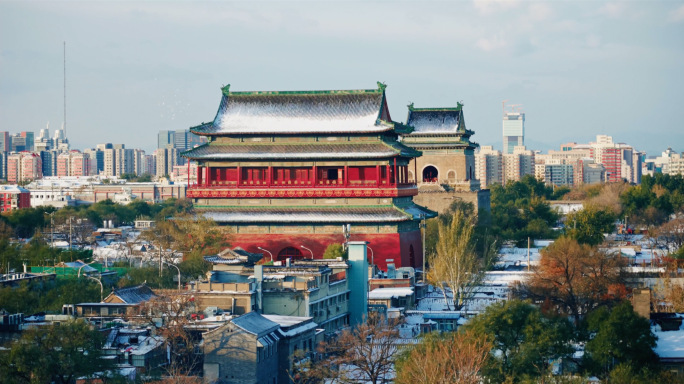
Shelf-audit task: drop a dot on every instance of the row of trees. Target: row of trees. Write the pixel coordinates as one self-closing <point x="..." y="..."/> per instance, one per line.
<point x="510" y="342"/>
<point x="25" y="222"/>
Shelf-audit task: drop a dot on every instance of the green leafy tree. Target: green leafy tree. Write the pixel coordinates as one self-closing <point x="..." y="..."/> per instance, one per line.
<point x="588" y="225"/>
<point x="456" y="265"/>
<point x="48" y="296"/>
<point x="520" y="210"/>
<point x="620" y="336"/>
<point x="60" y="353"/>
<point x="525" y="341"/>
<point x="333" y="251"/>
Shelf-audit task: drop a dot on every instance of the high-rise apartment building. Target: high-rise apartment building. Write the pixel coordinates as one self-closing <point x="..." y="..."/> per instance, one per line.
<point x="557" y="173"/>
<point x="488" y="166"/>
<point x="29" y="138"/>
<point x="518" y="164"/>
<point x="621" y="161"/>
<point x="117" y="159"/>
<point x="73" y="163"/>
<point x="43" y="141"/>
<point x="149" y="166"/>
<point x="182" y="140"/>
<point x="60" y="141"/>
<point x="17" y="143"/>
<point x="4" y="141"/>
<point x="167" y="158"/>
<point x="513" y="131"/>
<point x="3" y="165"/>
<point x="23" y="166"/>
<point x="49" y="162"/>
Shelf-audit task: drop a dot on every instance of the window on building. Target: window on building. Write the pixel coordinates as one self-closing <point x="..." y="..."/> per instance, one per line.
<point x="289" y="252"/>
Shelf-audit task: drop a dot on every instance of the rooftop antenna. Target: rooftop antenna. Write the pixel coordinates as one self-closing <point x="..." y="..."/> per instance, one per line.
<point x="65" y="89"/>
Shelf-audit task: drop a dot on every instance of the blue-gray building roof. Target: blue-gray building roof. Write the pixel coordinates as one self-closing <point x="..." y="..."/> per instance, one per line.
<point x="255" y="324"/>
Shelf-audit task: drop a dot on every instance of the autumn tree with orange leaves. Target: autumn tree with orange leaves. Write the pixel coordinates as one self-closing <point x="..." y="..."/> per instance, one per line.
<point x="450" y="357"/>
<point x="574" y="278"/>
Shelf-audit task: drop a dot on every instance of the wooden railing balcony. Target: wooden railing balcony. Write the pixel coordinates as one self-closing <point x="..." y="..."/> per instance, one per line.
<point x="353" y="188"/>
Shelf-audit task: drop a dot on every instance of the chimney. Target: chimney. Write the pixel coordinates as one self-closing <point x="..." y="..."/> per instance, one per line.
<point x="357" y="278"/>
<point x="259" y="278"/>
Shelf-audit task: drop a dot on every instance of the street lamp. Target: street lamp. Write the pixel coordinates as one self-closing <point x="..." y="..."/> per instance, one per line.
<point x="312" y="256"/>
<point x="81" y="267"/>
<point x="372" y="255"/>
<point x="267" y="251"/>
<point x="101" y="287"/>
<point x="179" y="275"/>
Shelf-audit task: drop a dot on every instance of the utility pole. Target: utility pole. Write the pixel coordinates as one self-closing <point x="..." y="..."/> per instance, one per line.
<point x="528" y="254"/>
<point x="424" y="227"/>
<point x="65" y="124"/>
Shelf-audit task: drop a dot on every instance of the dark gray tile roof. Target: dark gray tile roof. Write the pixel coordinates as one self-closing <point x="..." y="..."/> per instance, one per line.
<point x="435" y="120"/>
<point x="134" y="295"/>
<point x="315" y="215"/>
<point x="234" y="256"/>
<point x="304" y="151"/>
<point x="300" y="112"/>
<point x="255" y="324"/>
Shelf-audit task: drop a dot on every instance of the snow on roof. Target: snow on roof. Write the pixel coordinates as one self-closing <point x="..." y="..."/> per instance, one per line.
<point x="134" y="295"/>
<point x="287" y="321"/>
<point x="147" y="344"/>
<point x="670" y="344"/>
<point x="255" y="323"/>
<point x="298" y="112"/>
<point x="389" y="293"/>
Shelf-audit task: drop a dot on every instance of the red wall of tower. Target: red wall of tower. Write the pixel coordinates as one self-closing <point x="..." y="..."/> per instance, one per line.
<point x="394" y="246"/>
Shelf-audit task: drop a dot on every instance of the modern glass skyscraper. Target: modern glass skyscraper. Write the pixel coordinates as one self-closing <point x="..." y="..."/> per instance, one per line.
<point x="513" y="131"/>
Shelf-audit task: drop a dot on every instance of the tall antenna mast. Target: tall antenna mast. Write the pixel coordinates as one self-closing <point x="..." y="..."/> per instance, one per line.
<point x="65" y="125"/>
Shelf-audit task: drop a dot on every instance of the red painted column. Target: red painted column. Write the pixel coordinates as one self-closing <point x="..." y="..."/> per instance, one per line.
<point x="346" y="173"/>
<point x="315" y="176"/>
<point x="239" y="176"/>
<point x="395" y="171"/>
<point x="377" y="175"/>
<point x="209" y="176"/>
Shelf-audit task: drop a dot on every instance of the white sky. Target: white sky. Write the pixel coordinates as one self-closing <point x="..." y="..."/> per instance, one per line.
<point x="579" y="68"/>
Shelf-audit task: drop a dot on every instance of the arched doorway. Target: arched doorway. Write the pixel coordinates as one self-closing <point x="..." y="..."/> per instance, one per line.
<point x="289" y="252"/>
<point x="430" y="174"/>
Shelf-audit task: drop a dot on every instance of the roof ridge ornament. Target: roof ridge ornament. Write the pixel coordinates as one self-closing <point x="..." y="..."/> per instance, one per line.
<point x="382" y="86"/>
<point x="226" y="88"/>
<point x="410" y="106"/>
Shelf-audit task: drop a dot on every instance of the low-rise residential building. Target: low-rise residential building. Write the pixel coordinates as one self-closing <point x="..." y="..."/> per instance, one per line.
<point x="14" y="197"/>
<point x="305" y="288"/>
<point x="243" y="350"/>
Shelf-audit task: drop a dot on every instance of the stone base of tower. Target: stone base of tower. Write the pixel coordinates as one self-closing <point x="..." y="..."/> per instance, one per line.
<point x="404" y="248"/>
<point x="440" y="200"/>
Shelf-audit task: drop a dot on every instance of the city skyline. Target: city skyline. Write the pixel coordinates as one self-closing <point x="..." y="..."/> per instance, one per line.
<point x="134" y="69"/>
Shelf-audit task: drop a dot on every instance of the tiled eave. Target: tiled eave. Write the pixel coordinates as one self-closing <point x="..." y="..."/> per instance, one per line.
<point x="307" y="151"/>
<point x="242" y="215"/>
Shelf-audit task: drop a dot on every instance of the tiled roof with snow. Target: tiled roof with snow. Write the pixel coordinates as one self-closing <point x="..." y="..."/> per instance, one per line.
<point x="316" y="215"/>
<point x="435" y="120"/>
<point x="134" y="295"/>
<point x="298" y="151"/>
<point x="324" y="112"/>
<point x="255" y="324"/>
